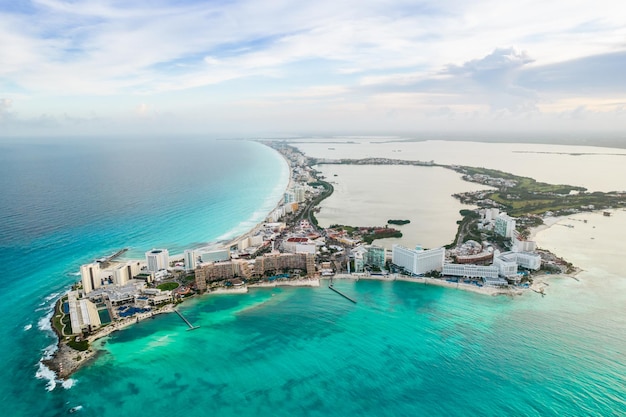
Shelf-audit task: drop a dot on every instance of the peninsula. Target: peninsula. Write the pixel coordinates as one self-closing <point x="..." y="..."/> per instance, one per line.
<point x="491" y="253"/>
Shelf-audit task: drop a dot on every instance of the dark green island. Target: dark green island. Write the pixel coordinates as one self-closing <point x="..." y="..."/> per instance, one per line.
<point x="398" y="222"/>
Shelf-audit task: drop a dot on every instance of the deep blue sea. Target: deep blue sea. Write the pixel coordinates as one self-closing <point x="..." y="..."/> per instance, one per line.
<point x="403" y="350"/>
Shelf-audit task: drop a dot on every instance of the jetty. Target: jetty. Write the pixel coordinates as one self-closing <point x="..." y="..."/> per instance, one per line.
<point x="105" y="261"/>
<point x="191" y="326"/>
<point x="342" y="294"/>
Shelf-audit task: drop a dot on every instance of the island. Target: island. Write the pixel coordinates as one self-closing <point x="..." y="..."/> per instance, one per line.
<point x="398" y="222"/>
<point x="492" y="253"/>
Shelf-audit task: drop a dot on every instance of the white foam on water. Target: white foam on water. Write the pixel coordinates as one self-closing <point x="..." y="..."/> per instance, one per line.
<point x="68" y="383"/>
<point x="44" y="323"/>
<point x="47" y="374"/>
<point x="28" y="327"/>
<point x="52" y="296"/>
<point x="49" y="351"/>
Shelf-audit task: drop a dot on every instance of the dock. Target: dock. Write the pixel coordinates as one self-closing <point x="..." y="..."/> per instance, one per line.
<point x="191" y="326"/>
<point x="104" y="262"/>
<point x="342" y="294"/>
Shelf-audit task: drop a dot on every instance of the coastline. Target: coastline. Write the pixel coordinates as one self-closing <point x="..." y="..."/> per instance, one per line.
<point x="548" y="222"/>
<point x="484" y="290"/>
<point x="256" y="227"/>
<point x="65" y="360"/>
<point x="310" y="282"/>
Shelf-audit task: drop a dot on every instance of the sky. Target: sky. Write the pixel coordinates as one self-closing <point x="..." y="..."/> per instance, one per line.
<point x="275" y="67"/>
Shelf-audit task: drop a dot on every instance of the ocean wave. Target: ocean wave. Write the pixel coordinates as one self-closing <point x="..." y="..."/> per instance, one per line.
<point x="49" y="351"/>
<point x="28" y="327"/>
<point x="52" y="296"/>
<point x="47" y="374"/>
<point x="68" y="383"/>
<point x="44" y="323"/>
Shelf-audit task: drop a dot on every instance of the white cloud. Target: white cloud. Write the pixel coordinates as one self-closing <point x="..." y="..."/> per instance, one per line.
<point x="440" y="59"/>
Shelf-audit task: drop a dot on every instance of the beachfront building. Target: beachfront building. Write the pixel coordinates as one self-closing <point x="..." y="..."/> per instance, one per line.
<point x="358" y="254"/>
<point x="218" y="271"/>
<point x="83" y="314"/>
<point x="509" y="262"/>
<point x="219" y="255"/>
<point x="418" y="261"/>
<point x="90" y="277"/>
<point x="278" y="262"/>
<point x="190" y="258"/>
<point x="157" y="259"/>
<point x="276" y="214"/>
<point x="121" y="274"/>
<point x="504" y="225"/>
<point x="375" y="256"/>
<point x="522" y="245"/>
<point x="299" y="245"/>
<point x="507" y="267"/>
<point x="527" y="260"/>
<point x="299" y="193"/>
<point x="470" y="271"/>
<point x="289" y="197"/>
<point x="368" y="255"/>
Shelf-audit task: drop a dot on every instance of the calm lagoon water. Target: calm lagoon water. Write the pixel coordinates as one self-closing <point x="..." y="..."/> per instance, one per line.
<point x="598" y="169"/>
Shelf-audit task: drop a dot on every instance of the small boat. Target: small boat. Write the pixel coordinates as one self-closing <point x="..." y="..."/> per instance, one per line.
<point x="75" y="409"/>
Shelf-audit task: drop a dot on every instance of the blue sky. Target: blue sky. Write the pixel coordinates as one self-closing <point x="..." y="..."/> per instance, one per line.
<point x="283" y="67"/>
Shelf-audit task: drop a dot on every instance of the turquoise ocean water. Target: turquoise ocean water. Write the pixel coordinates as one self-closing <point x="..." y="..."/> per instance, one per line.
<point x="404" y="349"/>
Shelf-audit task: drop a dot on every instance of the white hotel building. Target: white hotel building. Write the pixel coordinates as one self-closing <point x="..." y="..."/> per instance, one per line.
<point x="418" y="261"/>
<point x="157" y="259"/>
<point x="470" y="271"/>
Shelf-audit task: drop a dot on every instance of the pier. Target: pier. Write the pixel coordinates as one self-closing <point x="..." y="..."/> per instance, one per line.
<point x="342" y="294"/>
<point x="104" y="262"/>
<point x="191" y="326"/>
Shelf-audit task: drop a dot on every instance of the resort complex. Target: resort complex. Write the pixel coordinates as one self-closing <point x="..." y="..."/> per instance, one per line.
<point x="289" y="248"/>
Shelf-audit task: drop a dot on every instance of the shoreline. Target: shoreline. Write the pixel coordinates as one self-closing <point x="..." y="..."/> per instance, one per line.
<point x="484" y="290"/>
<point x="66" y="360"/>
<point x="256" y="227"/>
<point x="548" y="222"/>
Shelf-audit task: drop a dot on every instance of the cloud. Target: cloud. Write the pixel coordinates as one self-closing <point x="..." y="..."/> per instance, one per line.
<point x="500" y="60"/>
<point x="5" y="109"/>
<point x="442" y="60"/>
<point x="603" y="73"/>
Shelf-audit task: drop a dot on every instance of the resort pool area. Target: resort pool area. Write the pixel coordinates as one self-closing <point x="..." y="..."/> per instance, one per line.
<point x="129" y="311"/>
<point x="105" y="317"/>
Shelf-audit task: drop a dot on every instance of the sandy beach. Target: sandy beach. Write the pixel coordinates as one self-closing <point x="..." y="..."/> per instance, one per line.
<point x="548" y="222"/>
<point x="231" y="290"/>
<point x="312" y="282"/>
<point x="484" y="290"/>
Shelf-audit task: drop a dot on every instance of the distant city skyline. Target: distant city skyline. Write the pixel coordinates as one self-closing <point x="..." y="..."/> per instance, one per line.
<point x="242" y="68"/>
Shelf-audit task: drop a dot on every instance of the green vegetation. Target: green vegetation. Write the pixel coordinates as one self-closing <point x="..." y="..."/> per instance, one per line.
<point x="309" y="210"/>
<point x="81" y="345"/>
<point x="467" y="229"/>
<point x="368" y="234"/>
<point x="525" y="196"/>
<point x="60" y="321"/>
<point x="524" y="184"/>
<point x="168" y="286"/>
<point x="381" y="234"/>
<point x="398" y="222"/>
<point x="348" y="229"/>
